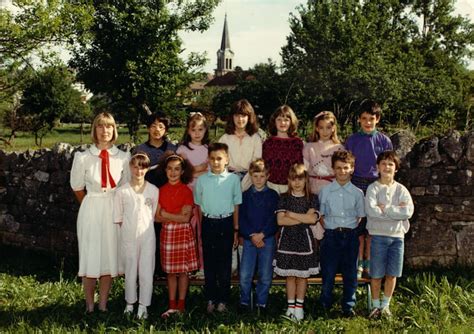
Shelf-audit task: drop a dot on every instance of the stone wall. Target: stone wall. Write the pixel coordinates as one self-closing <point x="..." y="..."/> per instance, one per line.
<point x="38" y="209"/>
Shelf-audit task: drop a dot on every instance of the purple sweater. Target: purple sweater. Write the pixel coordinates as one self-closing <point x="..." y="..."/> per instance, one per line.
<point x="366" y="148"/>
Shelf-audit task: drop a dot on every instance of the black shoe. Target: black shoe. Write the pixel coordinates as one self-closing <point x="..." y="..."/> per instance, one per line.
<point x="349" y="313"/>
<point x="244" y="309"/>
<point x="261" y="311"/>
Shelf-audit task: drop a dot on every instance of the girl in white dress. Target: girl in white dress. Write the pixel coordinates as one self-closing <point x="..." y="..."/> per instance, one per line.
<point x="94" y="175"/>
<point x="135" y="206"/>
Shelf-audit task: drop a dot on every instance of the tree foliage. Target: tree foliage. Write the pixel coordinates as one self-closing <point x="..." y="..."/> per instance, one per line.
<point x="344" y="51"/>
<point x="47" y="97"/>
<point x="133" y="58"/>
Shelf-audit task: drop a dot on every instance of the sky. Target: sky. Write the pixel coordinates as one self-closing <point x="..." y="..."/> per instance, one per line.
<point x="257" y="30"/>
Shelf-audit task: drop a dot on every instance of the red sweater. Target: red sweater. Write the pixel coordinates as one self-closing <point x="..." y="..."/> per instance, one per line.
<point x="279" y="155"/>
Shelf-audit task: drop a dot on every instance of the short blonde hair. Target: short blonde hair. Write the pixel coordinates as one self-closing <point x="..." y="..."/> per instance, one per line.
<point x="258" y="166"/>
<point x="100" y="119"/>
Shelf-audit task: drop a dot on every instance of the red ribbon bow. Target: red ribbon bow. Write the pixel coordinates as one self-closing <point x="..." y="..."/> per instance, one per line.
<point x="104" y="155"/>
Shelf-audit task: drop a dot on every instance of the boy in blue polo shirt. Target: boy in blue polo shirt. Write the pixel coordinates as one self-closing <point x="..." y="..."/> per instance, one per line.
<point x="218" y="194"/>
<point x="366" y="145"/>
<point x="341" y="207"/>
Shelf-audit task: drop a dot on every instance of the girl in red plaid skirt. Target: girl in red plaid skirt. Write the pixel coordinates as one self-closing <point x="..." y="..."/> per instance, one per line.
<point x="177" y="242"/>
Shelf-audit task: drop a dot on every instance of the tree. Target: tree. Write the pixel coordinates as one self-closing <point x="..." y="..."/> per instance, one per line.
<point x="46" y="98"/>
<point x="28" y="28"/>
<point x="133" y="54"/>
<point x="341" y="52"/>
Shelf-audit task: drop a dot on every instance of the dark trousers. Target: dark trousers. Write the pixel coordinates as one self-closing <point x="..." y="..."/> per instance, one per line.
<point x="339" y="250"/>
<point x="217" y="241"/>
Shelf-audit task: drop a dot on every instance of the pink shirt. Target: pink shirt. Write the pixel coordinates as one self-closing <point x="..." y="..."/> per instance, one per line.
<point x="196" y="156"/>
<point x="317" y="159"/>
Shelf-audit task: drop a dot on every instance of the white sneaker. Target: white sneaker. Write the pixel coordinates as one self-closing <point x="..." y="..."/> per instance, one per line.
<point x="142" y="312"/>
<point x="128" y="309"/>
<point x="290" y="312"/>
<point x="385" y="312"/>
<point x="299" y="313"/>
<point x="210" y="307"/>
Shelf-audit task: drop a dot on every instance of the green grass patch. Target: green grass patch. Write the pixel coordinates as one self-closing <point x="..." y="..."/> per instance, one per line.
<point x="40" y="293"/>
<point x="70" y="133"/>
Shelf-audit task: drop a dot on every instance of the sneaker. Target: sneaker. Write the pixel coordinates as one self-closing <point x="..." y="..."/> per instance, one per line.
<point x="261" y="310"/>
<point x="385" y="312"/>
<point x="221" y="307"/>
<point x="128" y="309"/>
<point x="142" y="312"/>
<point x="299" y="313"/>
<point x="375" y="313"/>
<point x="210" y="307"/>
<point x="290" y="312"/>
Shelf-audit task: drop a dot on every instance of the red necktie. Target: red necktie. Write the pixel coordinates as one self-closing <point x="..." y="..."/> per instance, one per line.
<point x="104" y="155"/>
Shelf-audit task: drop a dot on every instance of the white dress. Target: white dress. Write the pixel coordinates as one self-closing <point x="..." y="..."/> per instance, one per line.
<point x="96" y="232"/>
<point x="136" y="212"/>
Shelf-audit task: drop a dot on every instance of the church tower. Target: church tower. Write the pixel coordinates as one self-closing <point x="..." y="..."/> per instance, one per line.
<point x="224" y="54"/>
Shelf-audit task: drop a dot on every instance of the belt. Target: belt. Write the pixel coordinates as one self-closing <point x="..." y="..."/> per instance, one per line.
<point x="327" y="178"/>
<point x="343" y="229"/>
<point x="225" y="215"/>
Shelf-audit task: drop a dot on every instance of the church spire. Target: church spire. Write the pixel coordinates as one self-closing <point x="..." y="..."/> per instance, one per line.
<point x="224" y="55"/>
<point x="225" y="43"/>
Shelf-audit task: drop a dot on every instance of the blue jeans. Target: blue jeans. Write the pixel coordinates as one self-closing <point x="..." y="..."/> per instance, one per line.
<point x="251" y="257"/>
<point x="339" y="251"/>
<point x="217" y="241"/>
<point x="386" y="256"/>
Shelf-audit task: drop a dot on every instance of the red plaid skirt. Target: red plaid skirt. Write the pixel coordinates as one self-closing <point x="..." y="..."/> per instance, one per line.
<point x="178" y="248"/>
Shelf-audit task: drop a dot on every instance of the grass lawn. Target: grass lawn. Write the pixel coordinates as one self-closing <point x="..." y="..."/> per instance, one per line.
<point x="39" y="293"/>
<point x="70" y="133"/>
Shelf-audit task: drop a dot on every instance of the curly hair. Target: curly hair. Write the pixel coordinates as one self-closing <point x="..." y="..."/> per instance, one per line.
<point x="186" y="166"/>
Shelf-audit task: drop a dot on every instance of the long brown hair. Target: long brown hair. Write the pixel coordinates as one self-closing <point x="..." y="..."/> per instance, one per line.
<point x="284" y="111"/>
<point x="242" y="107"/>
<point x="195" y="119"/>
<point x="327" y="116"/>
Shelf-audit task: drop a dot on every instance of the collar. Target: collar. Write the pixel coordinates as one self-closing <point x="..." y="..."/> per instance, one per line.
<point x="223" y="174"/>
<point x="335" y="186"/>
<point x="254" y="190"/>
<point x="95" y="151"/>
<point x="162" y="147"/>
<point x="368" y="134"/>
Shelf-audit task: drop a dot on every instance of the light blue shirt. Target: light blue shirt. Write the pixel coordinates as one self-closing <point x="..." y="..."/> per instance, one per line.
<point x="217" y="194"/>
<point x="342" y="206"/>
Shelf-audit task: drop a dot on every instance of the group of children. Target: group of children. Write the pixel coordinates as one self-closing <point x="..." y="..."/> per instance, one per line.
<point x="291" y="205"/>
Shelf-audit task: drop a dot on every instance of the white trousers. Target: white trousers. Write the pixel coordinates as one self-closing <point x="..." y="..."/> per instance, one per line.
<point x="139" y="260"/>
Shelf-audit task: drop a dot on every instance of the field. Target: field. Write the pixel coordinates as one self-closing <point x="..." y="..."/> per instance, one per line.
<point x="40" y="293"/>
<point x="70" y="133"/>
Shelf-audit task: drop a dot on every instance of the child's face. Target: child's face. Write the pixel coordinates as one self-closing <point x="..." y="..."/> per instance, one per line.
<point x="387" y="169"/>
<point x="282" y="123"/>
<point x="343" y="171"/>
<point x="368" y="122"/>
<point x="325" y="129"/>
<point x="104" y="133"/>
<point x="197" y="133"/>
<point x="218" y="160"/>
<point x="157" y="130"/>
<point x="138" y="173"/>
<point x="297" y="184"/>
<point x="259" y="179"/>
<point x="240" y="121"/>
<point x="174" y="170"/>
